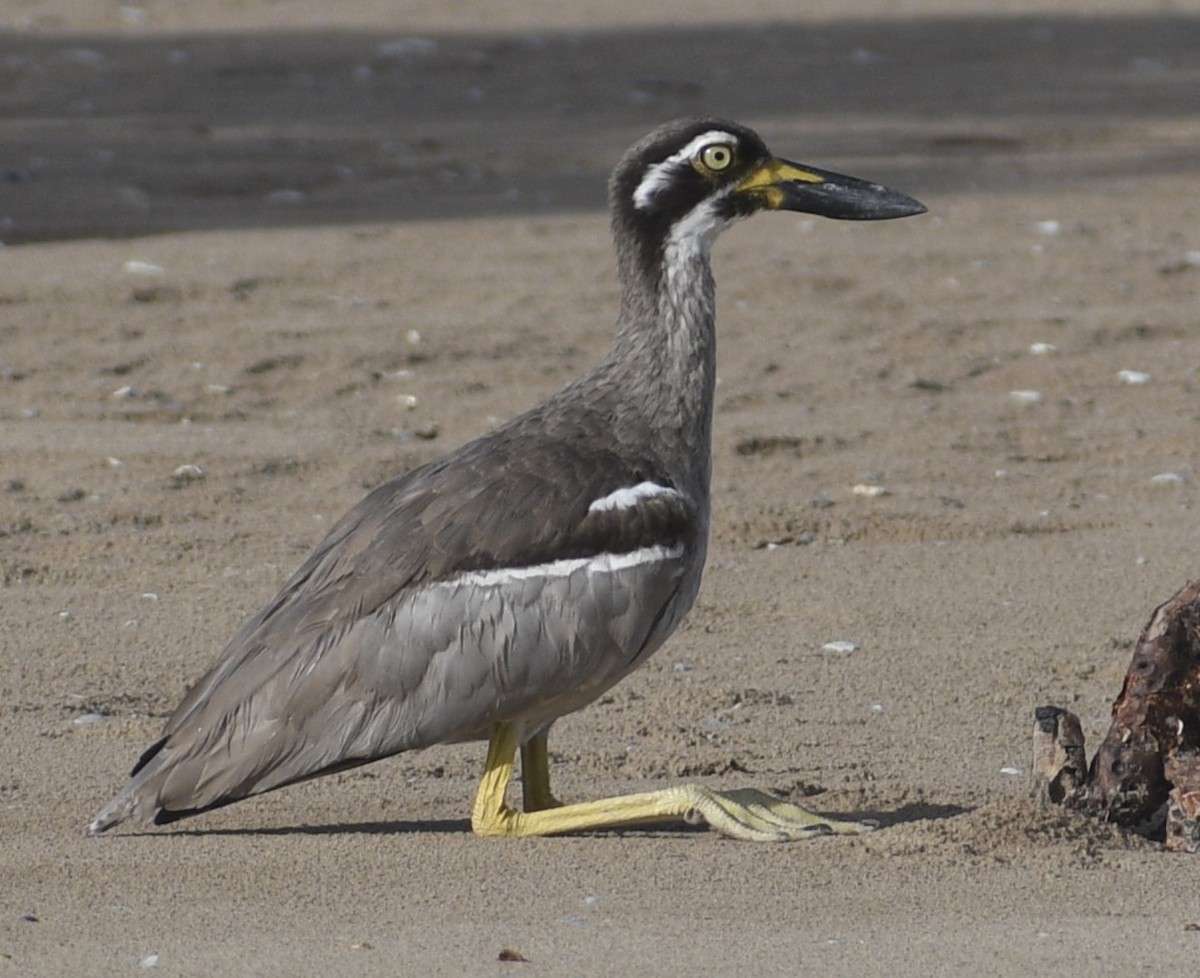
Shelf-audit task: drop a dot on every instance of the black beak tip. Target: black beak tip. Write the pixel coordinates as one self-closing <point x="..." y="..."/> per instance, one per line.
<point x="885" y="204"/>
<point x="911" y="207"/>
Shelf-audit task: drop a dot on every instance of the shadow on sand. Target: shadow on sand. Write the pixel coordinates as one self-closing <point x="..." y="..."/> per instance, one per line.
<point x="104" y="136"/>
<point x="462" y="826"/>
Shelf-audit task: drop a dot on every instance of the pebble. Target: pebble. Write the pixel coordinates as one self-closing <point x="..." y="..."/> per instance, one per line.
<point x="1042" y="349"/>
<point x="188" y="473"/>
<point x="406" y="47"/>
<point x="1048" y="227"/>
<point x="1168" y="479"/>
<point x="840" y="646"/>
<point x="1010" y="770"/>
<point x="149" y="961"/>
<point x="1027" y="397"/>
<point x="134" y="197"/>
<point x="1135" y="378"/>
<point x="85" y="56"/>
<point x="863" y="56"/>
<point x="87" y="719"/>
<point x="870" y="491"/>
<point x="136" y="267"/>
<point x="287" y="195"/>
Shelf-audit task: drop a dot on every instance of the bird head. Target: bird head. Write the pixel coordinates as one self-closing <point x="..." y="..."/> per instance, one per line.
<point x="688" y="180"/>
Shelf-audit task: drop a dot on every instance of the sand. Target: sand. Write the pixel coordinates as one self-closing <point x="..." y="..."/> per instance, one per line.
<point x="301" y="250"/>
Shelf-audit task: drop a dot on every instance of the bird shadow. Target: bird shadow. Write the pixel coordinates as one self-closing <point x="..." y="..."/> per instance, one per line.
<point x="436" y="826"/>
<point x="916" y="812"/>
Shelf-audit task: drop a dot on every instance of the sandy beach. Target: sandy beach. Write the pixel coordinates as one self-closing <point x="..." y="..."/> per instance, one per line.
<point x="259" y="257"/>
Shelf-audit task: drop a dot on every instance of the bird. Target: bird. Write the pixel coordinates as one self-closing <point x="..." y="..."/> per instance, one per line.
<point x="487" y="593"/>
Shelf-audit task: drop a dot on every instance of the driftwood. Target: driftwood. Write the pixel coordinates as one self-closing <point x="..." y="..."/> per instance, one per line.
<point x="1182" y="769"/>
<point x="1059" y="758"/>
<point x="1146" y="773"/>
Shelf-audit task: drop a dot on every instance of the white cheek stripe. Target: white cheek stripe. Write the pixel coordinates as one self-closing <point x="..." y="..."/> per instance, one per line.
<point x="661" y="174"/>
<point x="694" y="233"/>
<point x="601" y="563"/>
<point x="630" y="496"/>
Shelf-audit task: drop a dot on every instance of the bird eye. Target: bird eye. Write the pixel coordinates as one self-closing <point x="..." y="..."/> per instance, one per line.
<point x="717" y="156"/>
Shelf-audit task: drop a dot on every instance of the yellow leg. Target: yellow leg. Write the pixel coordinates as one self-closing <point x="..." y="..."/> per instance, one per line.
<point x="743" y="814"/>
<point x="535" y="775"/>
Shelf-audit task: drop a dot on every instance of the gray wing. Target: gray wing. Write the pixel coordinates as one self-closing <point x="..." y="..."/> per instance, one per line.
<point x="405" y="628"/>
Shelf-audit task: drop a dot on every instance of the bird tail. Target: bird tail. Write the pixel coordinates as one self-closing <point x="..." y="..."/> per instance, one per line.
<point x="131" y="801"/>
<point x="114" y="813"/>
<point x="168" y="783"/>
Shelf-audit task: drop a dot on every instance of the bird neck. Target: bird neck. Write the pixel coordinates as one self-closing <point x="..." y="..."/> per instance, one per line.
<point x="663" y="360"/>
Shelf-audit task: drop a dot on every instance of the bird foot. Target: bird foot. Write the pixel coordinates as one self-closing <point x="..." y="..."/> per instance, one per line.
<point x="745" y="813"/>
<point x="755" y="816"/>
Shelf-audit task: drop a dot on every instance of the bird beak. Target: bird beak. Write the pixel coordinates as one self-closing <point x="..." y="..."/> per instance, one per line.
<point x="782" y="186"/>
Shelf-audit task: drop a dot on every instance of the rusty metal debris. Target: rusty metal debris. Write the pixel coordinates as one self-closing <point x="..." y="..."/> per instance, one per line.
<point x="1146" y="773"/>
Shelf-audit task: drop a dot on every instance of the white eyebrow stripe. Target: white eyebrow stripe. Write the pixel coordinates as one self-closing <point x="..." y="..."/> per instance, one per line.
<point x="659" y="174"/>
<point x="629" y="496"/>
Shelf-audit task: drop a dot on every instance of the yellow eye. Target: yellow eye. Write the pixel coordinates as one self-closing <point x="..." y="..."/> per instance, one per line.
<point x="717" y="156"/>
